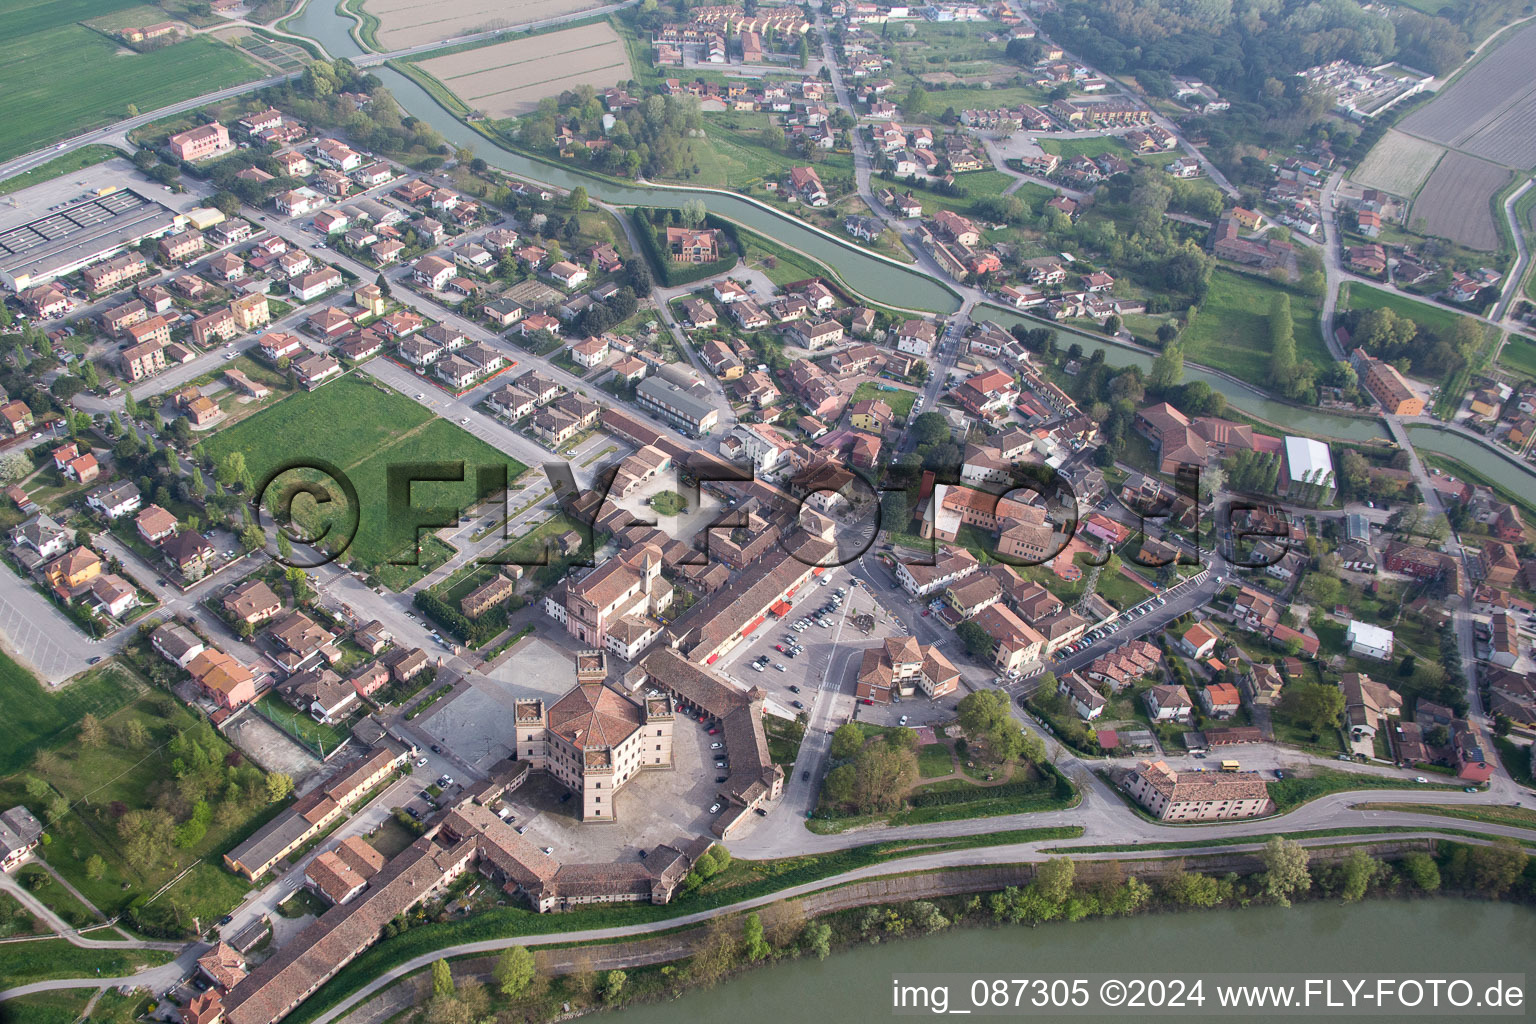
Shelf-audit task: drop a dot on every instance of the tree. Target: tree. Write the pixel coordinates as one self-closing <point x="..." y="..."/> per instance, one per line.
<point x="95" y="867"/>
<point x="1167" y="368"/>
<point x="818" y="939"/>
<point x="1285" y="870"/>
<point x="930" y="428"/>
<point x="14" y="467"/>
<point x="514" y="971"/>
<point x="613" y="986"/>
<point x="985" y="715"/>
<point x="847" y="741"/>
<point x="916" y="102"/>
<point x="442" y="978"/>
<point x="1282" y="342"/>
<point x="1356" y="873"/>
<point x="752" y="936"/>
<point x="1421" y="870"/>
<point x="1495" y="868"/>
<point x="91" y="732"/>
<point x="279" y="785"/>
<point x="1315" y="705"/>
<point x="978" y="642"/>
<point x="577" y="201"/>
<point x="714" y="955"/>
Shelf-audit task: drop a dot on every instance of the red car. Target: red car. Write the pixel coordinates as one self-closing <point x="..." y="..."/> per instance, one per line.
<point x="925" y="613"/>
<point x="713" y="730"/>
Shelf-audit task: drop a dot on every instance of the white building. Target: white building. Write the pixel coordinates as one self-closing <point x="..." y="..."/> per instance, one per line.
<point x="1368" y="641"/>
<point x="1306" y="462"/>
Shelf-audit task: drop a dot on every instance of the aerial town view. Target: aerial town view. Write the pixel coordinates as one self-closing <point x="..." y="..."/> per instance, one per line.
<point x="514" y="509"/>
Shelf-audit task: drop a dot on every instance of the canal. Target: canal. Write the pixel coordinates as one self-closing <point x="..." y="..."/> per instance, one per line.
<point x="1402" y="939"/>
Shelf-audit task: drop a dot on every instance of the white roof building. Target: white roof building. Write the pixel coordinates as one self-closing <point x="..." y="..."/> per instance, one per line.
<point x="1369" y="641"/>
<point x="1306" y="462"/>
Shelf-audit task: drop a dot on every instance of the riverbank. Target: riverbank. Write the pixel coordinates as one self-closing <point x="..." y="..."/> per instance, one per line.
<point x="797" y="935"/>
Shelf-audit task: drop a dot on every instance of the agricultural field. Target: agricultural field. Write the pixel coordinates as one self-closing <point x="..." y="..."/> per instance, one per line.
<point x="1457" y="202"/>
<point x="509" y="79"/>
<point x="1491" y="110"/>
<point x="1231" y="332"/>
<point x="404" y="23"/>
<point x="1398" y="164"/>
<point x="363" y="430"/>
<point x="43" y="42"/>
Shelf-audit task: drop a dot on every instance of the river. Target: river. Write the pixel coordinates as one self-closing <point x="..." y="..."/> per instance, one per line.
<point x="877" y="279"/>
<point x="1436" y="937"/>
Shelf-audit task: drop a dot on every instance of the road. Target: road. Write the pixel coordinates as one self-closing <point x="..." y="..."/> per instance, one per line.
<point x="1522" y="265"/>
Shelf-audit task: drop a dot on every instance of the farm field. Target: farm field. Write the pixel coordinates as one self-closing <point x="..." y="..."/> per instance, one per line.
<point x="509" y="79"/>
<point x="1491" y="110"/>
<point x="42" y="39"/>
<point x="1231" y="332"/>
<point x="1398" y="164"/>
<point x="363" y="431"/>
<point x="1457" y="202"/>
<point x="404" y="23"/>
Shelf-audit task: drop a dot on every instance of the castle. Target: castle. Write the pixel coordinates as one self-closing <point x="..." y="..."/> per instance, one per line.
<point x="594" y="738"/>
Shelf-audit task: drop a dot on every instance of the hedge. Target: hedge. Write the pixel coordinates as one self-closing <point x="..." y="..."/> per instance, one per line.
<point x="673" y="274"/>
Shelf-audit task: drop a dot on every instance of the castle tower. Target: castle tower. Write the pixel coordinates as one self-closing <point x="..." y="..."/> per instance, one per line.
<point x="532" y="737"/>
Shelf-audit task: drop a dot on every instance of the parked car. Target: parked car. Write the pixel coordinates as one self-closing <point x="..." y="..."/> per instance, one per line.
<point x="714" y="808"/>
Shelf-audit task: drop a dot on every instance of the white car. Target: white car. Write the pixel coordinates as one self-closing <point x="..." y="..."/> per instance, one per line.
<point x="714" y="808"/>
<point x="903" y="720"/>
<point x="716" y="745"/>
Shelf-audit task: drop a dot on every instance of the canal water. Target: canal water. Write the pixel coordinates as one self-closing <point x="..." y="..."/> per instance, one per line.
<point x="1406" y="939"/>
<point x="880" y="281"/>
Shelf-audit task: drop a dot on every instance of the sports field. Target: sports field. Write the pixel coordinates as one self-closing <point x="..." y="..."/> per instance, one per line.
<point x="404" y="23"/>
<point x="1398" y="164"/>
<point x="362" y="430"/>
<point x="58" y="78"/>
<point x="509" y="79"/>
<point x="1457" y="201"/>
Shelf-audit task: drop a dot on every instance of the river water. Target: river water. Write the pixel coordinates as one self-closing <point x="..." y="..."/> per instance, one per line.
<point x="1405" y="939"/>
<point x="879" y="280"/>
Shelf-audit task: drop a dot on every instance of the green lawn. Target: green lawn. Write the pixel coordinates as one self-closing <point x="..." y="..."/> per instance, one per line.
<point x="35" y="718"/>
<point x="1069" y="149"/>
<point x="208" y="892"/>
<point x="434" y="552"/>
<point x="55" y="897"/>
<point x="1519" y="354"/>
<point x="58" y="78"/>
<point x="302" y="727"/>
<point x="24" y="962"/>
<point x="668" y="503"/>
<point x="1295" y="790"/>
<point x="934" y="761"/>
<point x="362" y="429"/>
<point x="1231" y="331"/>
<point x="899" y="399"/>
<point x="1432" y="318"/>
<point x="102" y="784"/>
<point x="85" y="156"/>
<point x="16" y="919"/>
